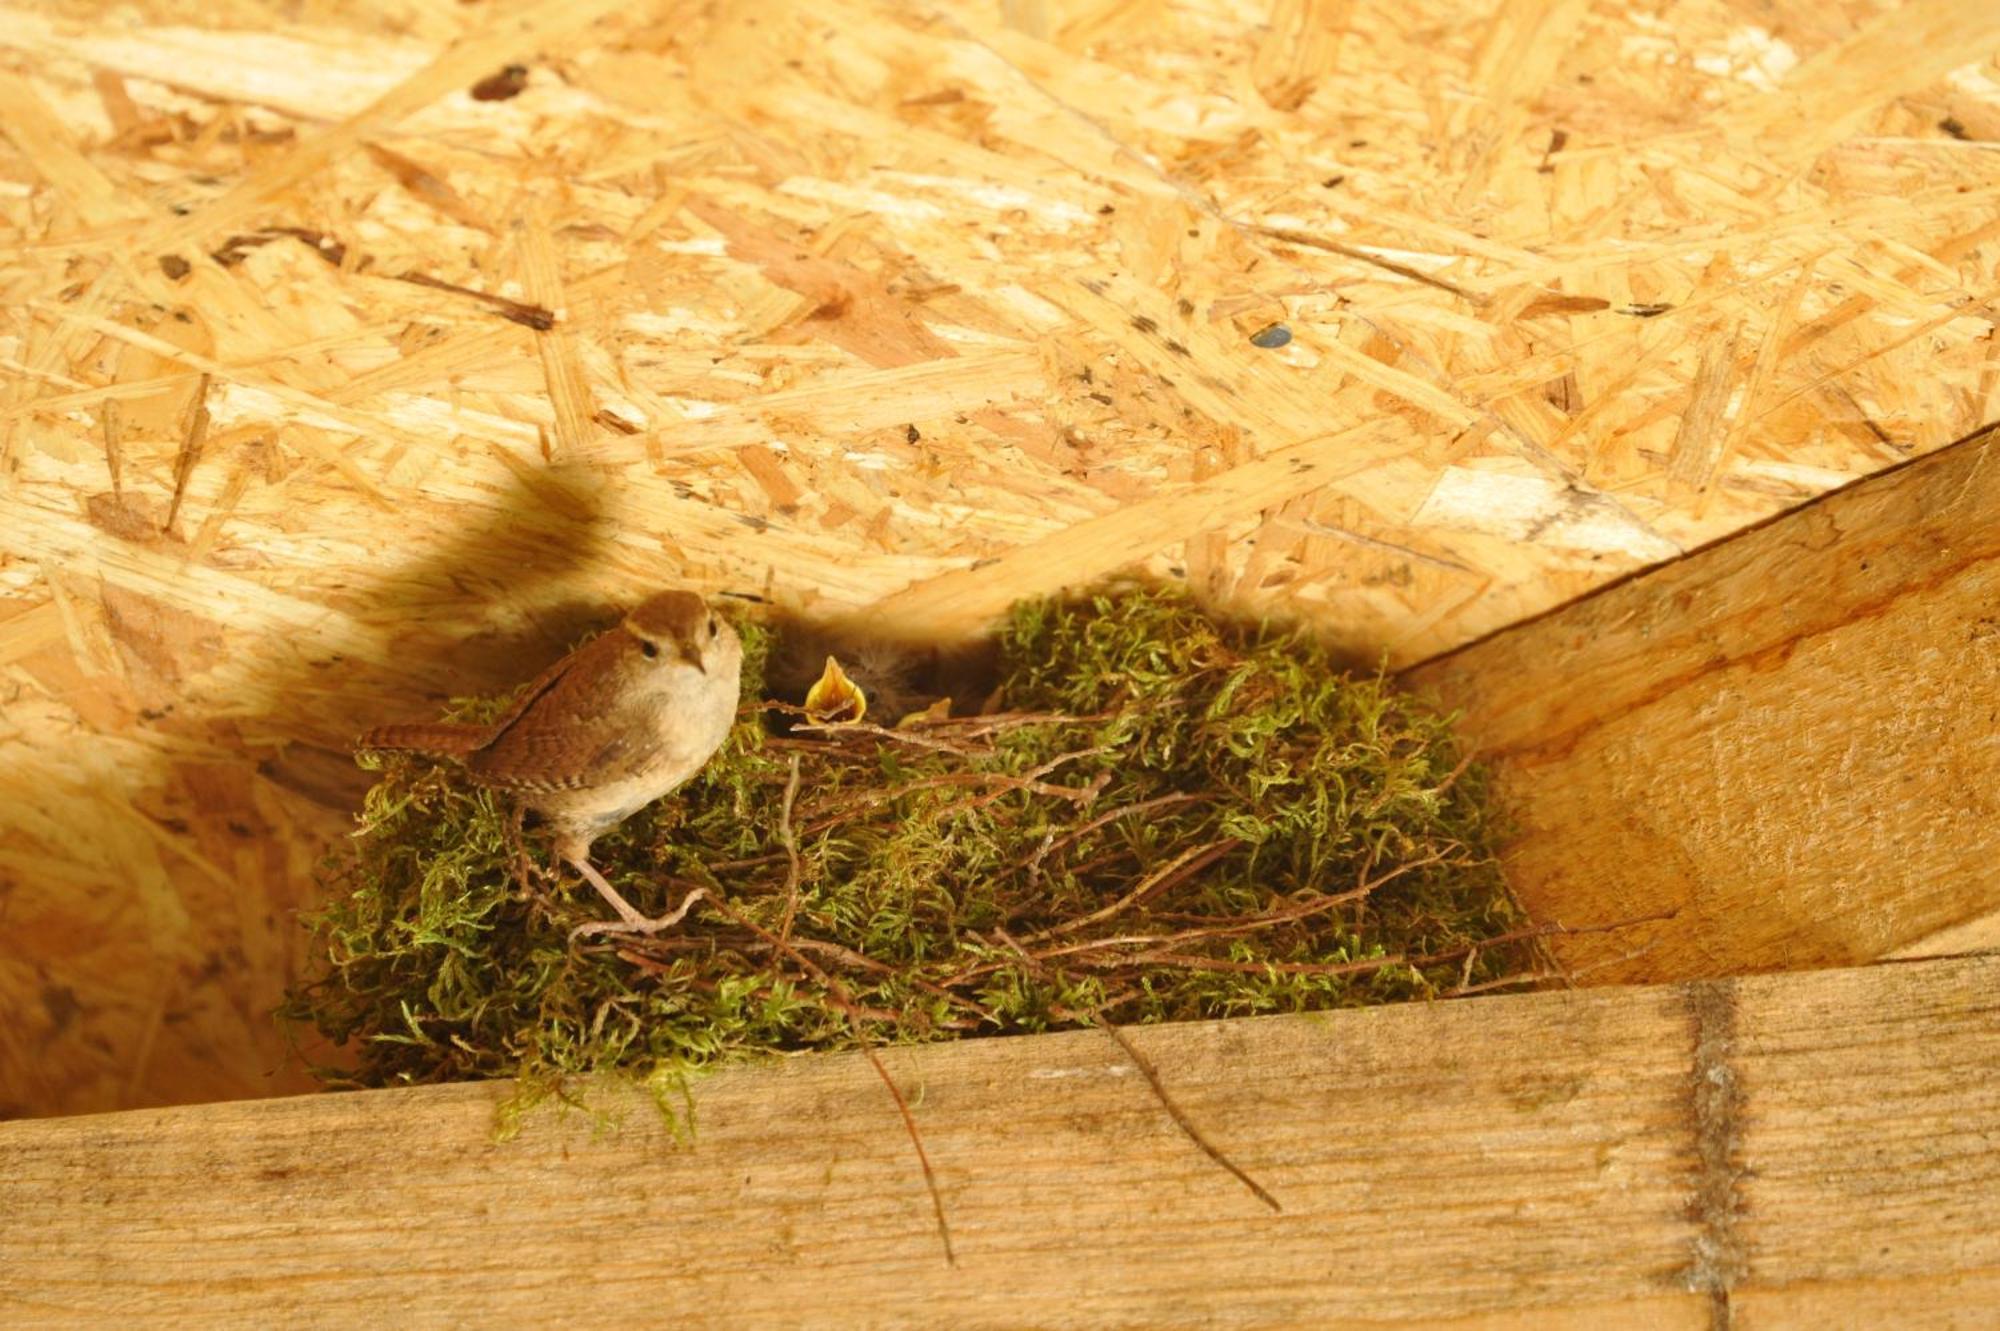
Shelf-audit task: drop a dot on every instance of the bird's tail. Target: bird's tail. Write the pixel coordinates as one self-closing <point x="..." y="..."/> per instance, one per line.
<point x="435" y="739"/>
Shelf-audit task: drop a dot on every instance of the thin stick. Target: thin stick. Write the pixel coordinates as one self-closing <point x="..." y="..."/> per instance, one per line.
<point x="916" y="729"/>
<point x="791" y="841"/>
<point x="923" y="1159"/>
<point x="1049" y="848"/>
<point x="861" y="961"/>
<point x="1152" y="1075"/>
<point x="1195" y="963"/>
<point x="1294" y="913"/>
<point x="1377" y="963"/>
<point x="847" y="1006"/>
<point x="1180" y="1118"/>
<point x="1504" y="982"/>
<point x="835" y="729"/>
<point x="1075" y="794"/>
<point x="1093" y="944"/>
<point x="1464" y="764"/>
<point x="1557" y="929"/>
<point x="978" y="727"/>
<point x="1190" y="861"/>
<point x="1555" y="973"/>
<point x="1032" y="781"/>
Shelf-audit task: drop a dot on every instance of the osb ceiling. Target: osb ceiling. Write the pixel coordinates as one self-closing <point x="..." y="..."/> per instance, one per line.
<point x="345" y="366"/>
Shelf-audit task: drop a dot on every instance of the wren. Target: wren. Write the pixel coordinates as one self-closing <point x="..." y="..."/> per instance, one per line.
<point x="602" y="733"/>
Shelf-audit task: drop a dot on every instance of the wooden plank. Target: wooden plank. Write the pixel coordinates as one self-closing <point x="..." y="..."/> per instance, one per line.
<point x="1668" y="1155"/>
<point x="917" y="312"/>
<point x="1789" y="740"/>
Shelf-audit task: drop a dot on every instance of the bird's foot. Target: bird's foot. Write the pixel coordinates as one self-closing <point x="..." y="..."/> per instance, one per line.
<point x="629" y="920"/>
<point x="639" y="924"/>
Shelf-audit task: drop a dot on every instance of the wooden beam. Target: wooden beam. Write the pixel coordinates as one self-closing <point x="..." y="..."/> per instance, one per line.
<point x="1773" y="1149"/>
<point x="1790" y="740"/>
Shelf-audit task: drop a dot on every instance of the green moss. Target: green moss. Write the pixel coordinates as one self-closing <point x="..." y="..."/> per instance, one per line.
<point x="1163" y="819"/>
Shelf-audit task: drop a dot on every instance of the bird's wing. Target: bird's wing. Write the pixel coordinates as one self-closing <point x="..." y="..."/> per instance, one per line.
<point x="539" y="687"/>
<point x="547" y="758"/>
<point x="573" y="726"/>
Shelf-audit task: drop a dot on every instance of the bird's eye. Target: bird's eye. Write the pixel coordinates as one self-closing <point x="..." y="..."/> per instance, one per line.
<point x="650" y="649"/>
<point x="713" y="629"/>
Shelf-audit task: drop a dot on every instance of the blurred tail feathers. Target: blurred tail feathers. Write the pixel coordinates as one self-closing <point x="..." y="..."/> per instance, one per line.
<point x="437" y="739"/>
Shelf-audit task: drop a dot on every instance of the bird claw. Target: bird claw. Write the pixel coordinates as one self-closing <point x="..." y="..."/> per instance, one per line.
<point x="635" y="923"/>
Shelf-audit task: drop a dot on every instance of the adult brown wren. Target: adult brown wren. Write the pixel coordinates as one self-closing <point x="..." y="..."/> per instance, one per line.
<point x="604" y="732"/>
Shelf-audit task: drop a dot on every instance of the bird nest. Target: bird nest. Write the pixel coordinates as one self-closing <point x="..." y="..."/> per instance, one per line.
<point x="1153" y="817"/>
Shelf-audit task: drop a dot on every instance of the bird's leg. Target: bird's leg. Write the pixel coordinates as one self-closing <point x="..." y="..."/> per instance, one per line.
<point x="630" y="921"/>
<point x="524" y="868"/>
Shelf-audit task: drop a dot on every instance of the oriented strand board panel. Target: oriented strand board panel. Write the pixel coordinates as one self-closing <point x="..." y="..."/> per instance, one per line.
<point x="354" y="352"/>
<point x="1789" y="744"/>
<point x="1764" y="1153"/>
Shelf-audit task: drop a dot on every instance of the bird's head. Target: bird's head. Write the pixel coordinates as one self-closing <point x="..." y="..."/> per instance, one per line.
<point x="675" y="629"/>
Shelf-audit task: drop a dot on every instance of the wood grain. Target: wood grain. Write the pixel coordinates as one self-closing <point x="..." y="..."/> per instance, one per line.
<point x="1673" y="1156"/>
<point x="1791" y="740"/>
<point x="883" y="313"/>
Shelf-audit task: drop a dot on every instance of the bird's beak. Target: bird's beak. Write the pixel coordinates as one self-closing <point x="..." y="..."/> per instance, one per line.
<point x="835" y="698"/>
<point x="691" y="653"/>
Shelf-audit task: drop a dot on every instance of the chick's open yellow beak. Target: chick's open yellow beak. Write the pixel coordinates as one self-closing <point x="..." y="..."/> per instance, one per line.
<point x="834" y="698"/>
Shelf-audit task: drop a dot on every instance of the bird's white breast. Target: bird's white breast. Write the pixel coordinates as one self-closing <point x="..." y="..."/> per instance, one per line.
<point x="694" y="717"/>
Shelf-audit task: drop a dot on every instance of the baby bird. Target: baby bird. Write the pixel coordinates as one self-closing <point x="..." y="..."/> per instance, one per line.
<point x="604" y="732"/>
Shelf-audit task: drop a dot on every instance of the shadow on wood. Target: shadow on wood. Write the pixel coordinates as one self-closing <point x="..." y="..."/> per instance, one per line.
<point x="1789" y="739"/>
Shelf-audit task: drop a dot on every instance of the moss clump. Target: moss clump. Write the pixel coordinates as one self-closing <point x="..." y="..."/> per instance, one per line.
<point x="1159" y="818"/>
